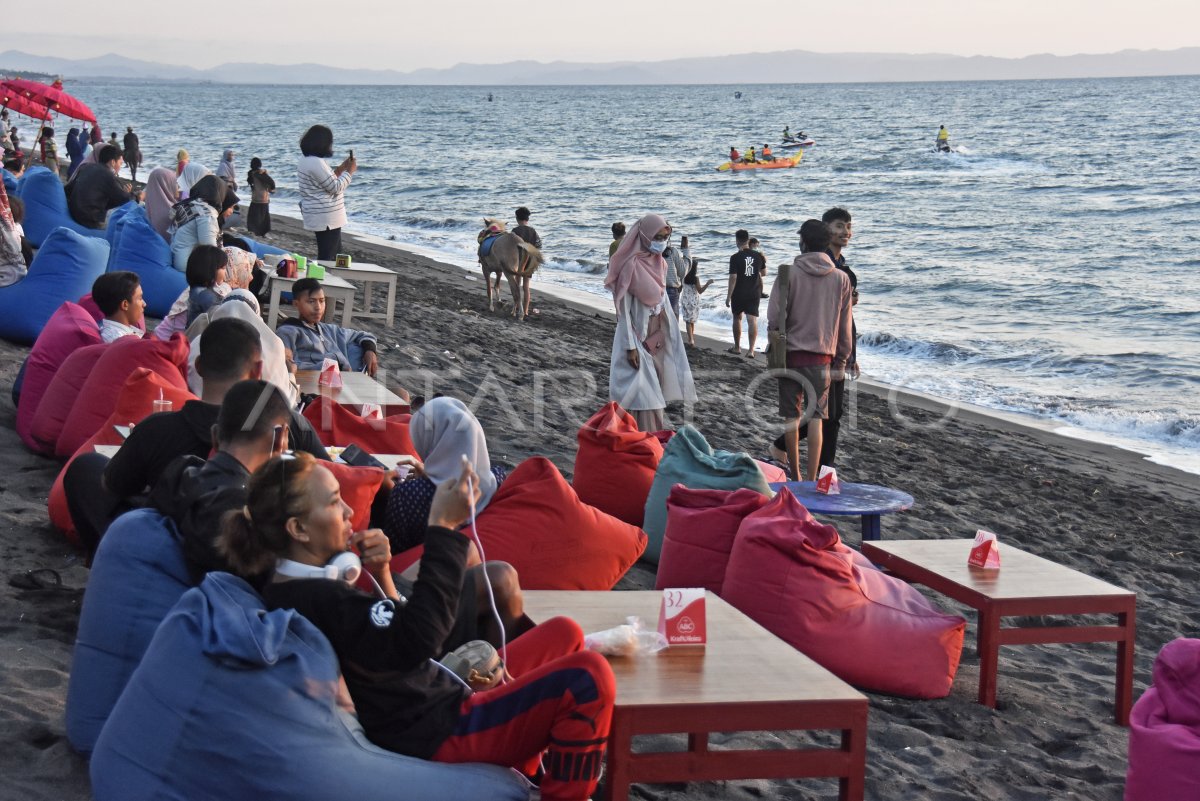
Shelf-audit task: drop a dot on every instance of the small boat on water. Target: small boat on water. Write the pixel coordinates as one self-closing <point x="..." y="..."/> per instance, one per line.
<point x="780" y="163"/>
<point x="798" y="143"/>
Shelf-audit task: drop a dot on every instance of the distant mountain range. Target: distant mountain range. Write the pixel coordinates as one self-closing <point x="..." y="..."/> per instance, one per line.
<point x="789" y="66"/>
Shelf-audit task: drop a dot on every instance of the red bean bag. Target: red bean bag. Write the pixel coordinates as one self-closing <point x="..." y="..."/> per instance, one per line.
<point x="69" y="329"/>
<point x="1164" y="728"/>
<point x="795" y="577"/>
<point x="133" y="404"/>
<point x="537" y="523"/>
<point x="359" y="485"/>
<point x="615" y="464"/>
<point x="701" y="527"/>
<point x="98" y="396"/>
<point x="57" y="401"/>
<point x="338" y="426"/>
<point x="772" y="473"/>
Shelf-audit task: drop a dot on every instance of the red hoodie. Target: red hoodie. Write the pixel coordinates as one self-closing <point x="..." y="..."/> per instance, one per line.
<point x="820" y="319"/>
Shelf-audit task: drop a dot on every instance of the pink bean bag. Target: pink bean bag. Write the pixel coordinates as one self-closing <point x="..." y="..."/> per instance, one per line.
<point x="795" y="577"/>
<point x="98" y="396"/>
<point x="57" y="401"/>
<point x="1164" y="729"/>
<point x="338" y="426"/>
<point x="134" y="403"/>
<point x="69" y="329"/>
<point x="615" y="464"/>
<point x="537" y="523"/>
<point x="701" y="527"/>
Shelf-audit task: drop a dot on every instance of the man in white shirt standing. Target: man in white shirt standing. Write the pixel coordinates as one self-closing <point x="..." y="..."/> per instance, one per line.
<point x="119" y="296"/>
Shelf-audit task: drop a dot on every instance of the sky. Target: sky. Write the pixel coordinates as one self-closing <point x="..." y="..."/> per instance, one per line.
<point x="405" y="36"/>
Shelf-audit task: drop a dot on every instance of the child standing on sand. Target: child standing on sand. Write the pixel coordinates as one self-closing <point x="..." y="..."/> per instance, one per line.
<point x="689" y="301"/>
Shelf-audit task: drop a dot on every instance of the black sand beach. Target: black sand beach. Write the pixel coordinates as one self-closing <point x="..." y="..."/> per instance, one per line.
<point x="1103" y="511"/>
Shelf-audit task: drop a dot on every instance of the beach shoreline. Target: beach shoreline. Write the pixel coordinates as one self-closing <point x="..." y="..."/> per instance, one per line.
<point x="1092" y="507"/>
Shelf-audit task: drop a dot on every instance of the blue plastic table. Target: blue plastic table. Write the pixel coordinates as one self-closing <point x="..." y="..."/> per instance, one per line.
<point x="868" y="500"/>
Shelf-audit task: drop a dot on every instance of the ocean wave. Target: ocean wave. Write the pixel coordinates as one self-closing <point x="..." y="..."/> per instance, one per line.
<point x="943" y="352"/>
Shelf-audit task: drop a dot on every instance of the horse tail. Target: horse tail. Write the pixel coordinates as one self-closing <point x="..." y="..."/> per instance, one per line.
<point x="529" y="259"/>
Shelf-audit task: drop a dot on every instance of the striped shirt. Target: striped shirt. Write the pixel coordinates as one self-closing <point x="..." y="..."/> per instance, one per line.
<point x="322" y="202"/>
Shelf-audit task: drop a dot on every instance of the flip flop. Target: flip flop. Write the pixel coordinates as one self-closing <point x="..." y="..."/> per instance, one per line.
<point x="41" y="578"/>
<point x="734" y="350"/>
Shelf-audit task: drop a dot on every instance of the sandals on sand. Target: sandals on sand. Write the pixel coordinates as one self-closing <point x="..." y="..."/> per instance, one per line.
<point x="42" y="578"/>
<point x="734" y="349"/>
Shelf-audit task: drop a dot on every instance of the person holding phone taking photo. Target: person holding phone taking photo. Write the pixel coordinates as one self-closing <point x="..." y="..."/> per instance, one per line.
<point x="322" y="190"/>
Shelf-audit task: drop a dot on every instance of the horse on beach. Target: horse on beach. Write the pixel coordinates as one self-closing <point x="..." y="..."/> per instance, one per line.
<point x="517" y="260"/>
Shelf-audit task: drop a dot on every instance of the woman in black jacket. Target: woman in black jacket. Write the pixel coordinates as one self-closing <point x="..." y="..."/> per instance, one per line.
<point x="560" y="697"/>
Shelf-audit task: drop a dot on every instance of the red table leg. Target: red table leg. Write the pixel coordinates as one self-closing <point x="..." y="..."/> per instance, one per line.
<point x="620" y="749"/>
<point x="1127" y="621"/>
<point x="988" y="640"/>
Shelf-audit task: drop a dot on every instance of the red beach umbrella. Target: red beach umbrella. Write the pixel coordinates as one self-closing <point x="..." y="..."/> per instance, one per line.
<point x="51" y="96"/>
<point x="22" y="105"/>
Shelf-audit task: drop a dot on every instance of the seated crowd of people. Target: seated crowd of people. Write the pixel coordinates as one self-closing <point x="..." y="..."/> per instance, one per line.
<point x="242" y="475"/>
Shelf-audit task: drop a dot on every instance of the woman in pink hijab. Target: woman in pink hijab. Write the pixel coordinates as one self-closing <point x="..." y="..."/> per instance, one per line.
<point x="162" y="192"/>
<point x="649" y="366"/>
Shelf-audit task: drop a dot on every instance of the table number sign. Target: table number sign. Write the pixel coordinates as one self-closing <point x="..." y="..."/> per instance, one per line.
<point x="681" y="616"/>
<point x="827" y="481"/>
<point x="985" y="552"/>
<point x="331" y="374"/>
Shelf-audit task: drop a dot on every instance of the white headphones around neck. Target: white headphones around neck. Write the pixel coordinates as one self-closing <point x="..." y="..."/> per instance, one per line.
<point x="345" y="566"/>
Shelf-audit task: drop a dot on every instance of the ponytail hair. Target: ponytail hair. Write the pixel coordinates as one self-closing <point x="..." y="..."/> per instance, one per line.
<point x="253" y="538"/>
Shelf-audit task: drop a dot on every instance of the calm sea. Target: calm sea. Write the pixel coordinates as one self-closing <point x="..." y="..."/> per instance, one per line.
<point x="1048" y="268"/>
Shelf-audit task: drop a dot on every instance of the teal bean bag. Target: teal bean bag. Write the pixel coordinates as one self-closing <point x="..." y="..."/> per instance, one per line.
<point x="64" y="269"/>
<point x="46" y="207"/>
<point x="689" y="460"/>
<point x="233" y="702"/>
<point x="138" y="247"/>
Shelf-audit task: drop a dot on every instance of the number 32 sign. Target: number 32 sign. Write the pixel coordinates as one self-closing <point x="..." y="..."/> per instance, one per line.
<point x="681" y="616"/>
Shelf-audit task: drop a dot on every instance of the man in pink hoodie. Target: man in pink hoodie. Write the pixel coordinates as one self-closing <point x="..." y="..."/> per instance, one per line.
<point x="817" y="318"/>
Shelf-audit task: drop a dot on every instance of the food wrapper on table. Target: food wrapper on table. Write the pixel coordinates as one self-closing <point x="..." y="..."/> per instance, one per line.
<point x="985" y="552"/>
<point x="331" y="374"/>
<point x="629" y="639"/>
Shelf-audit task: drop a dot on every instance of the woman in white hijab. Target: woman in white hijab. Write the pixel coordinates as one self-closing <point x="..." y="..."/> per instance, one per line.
<point x="443" y="431"/>
<point x="649" y="367"/>
<point x="244" y="306"/>
<point x="191" y="173"/>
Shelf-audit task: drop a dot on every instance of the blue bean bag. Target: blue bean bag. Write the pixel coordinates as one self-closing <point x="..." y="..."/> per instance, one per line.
<point x="137" y="577"/>
<point x="231" y="701"/>
<point x="10" y="182"/>
<point x="262" y="250"/>
<point x="64" y="269"/>
<point x="139" y="248"/>
<point x="46" y="207"/>
<point x="689" y="460"/>
<point x="113" y="230"/>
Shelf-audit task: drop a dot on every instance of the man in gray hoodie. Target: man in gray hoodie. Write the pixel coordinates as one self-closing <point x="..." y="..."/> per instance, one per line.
<point x="817" y="318"/>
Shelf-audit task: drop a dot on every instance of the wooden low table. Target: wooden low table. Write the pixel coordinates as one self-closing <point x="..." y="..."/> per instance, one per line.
<point x="744" y="679"/>
<point x="1025" y="584"/>
<point x="336" y="290"/>
<point x="869" y="501"/>
<point x="356" y="390"/>
<point x="369" y="275"/>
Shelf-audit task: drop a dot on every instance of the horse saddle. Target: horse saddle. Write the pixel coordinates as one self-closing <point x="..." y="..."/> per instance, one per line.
<point x="485" y="247"/>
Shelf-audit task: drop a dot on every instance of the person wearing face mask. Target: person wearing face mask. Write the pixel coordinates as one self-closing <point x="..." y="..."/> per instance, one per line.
<point x="648" y="368"/>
